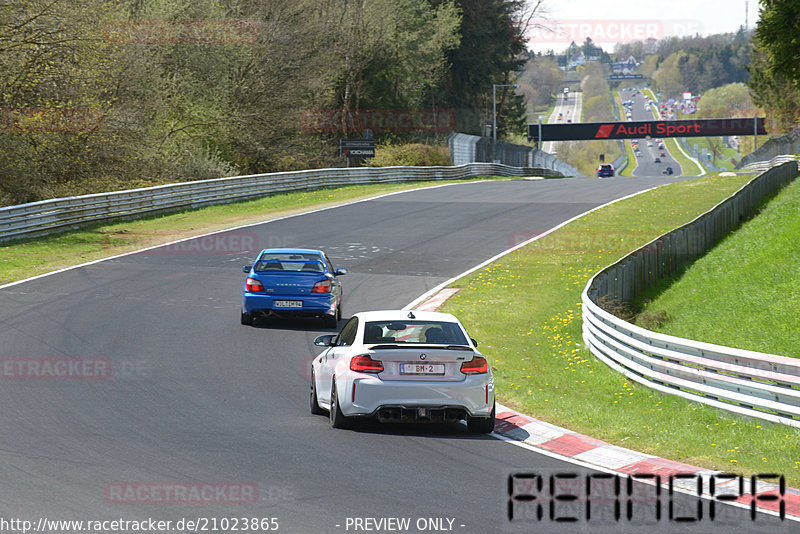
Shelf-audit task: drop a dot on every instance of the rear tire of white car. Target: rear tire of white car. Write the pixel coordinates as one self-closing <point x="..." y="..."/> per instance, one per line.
<point x="247" y="318"/>
<point x="315" y="409"/>
<point x="481" y="425"/>
<point x="338" y="420"/>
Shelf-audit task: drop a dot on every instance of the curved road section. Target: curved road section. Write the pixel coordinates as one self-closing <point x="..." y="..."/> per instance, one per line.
<point x="167" y="408"/>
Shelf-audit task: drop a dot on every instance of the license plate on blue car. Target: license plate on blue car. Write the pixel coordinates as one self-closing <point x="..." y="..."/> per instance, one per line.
<point x="288" y="303"/>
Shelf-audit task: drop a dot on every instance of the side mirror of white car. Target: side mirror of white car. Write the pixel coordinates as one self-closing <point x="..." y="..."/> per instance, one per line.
<point x="324" y="341"/>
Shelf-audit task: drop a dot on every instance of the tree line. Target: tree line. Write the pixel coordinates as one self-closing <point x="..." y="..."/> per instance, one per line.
<point x="99" y="95"/>
<point x="694" y="64"/>
<point x="775" y="66"/>
<point x="765" y="60"/>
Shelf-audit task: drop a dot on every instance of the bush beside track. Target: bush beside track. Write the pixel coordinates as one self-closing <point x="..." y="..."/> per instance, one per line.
<point x="525" y="309"/>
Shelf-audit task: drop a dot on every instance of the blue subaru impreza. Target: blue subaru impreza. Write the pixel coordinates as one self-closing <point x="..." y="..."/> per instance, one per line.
<point x="292" y="282"/>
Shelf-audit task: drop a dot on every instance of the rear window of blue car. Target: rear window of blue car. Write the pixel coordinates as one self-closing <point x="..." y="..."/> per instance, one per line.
<point x="289" y="262"/>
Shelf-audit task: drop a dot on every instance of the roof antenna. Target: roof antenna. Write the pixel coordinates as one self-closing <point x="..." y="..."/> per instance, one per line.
<point x="411" y="315"/>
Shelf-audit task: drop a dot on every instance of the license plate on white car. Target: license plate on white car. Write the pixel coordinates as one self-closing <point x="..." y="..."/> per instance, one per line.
<point x="421" y="368"/>
<point x="288" y="303"/>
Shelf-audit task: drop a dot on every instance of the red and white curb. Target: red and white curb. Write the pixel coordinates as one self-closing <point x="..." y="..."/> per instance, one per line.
<point x="433" y="303"/>
<point x="560" y="442"/>
<point x="511" y="424"/>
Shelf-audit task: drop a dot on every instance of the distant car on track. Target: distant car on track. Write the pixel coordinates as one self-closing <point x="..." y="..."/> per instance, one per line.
<point x="605" y="169"/>
<point x="403" y="366"/>
<point x="657" y="160"/>
<point x="288" y="282"/>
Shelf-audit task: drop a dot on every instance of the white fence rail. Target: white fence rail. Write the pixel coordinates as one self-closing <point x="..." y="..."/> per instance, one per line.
<point x="761" y="166"/>
<point x="785" y="144"/>
<point x="471" y="148"/>
<point x="48" y="216"/>
<point x="750" y="383"/>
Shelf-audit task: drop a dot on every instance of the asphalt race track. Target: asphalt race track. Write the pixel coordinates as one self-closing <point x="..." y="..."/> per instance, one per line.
<point x="196" y="400"/>
<point x="570" y="109"/>
<point x="645" y="164"/>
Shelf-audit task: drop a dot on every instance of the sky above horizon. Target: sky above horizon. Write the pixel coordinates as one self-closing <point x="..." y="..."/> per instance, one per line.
<point x="611" y="21"/>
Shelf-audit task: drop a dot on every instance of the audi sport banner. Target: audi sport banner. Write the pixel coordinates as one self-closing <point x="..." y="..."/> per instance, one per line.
<point x="643" y="129"/>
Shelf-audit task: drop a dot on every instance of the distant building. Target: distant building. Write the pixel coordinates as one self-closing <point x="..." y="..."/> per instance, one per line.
<point x="576" y="60"/>
<point x="627" y="66"/>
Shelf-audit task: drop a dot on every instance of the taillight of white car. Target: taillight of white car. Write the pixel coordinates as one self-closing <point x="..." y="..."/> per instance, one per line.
<point x="364" y="364"/>
<point x="477" y="366"/>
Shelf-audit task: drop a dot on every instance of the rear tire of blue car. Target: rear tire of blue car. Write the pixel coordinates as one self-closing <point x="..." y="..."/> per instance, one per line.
<point x="481" y="425"/>
<point x="330" y="321"/>
<point x="247" y="318"/>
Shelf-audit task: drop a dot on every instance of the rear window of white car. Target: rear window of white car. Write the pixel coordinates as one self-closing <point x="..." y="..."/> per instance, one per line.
<point x="429" y="332"/>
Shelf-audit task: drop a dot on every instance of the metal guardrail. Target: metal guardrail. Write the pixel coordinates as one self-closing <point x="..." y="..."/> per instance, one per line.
<point x="785" y="144"/>
<point x="471" y="148"/>
<point x="761" y="166"/>
<point x="48" y="216"/>
<point x="746" y="382"/>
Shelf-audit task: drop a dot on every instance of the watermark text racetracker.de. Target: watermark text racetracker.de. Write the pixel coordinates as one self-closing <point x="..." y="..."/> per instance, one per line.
<point x="149" y="525"/>
<point x="181" y="493"/>
<point x="72" y="368"/>
<point x="568" y="31"/>
<point x="225" y="243"/>
<point x="54" y="368"/>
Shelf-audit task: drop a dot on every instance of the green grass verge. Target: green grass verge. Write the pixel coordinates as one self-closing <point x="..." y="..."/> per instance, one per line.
<point x="724" y="161"/>
<point x="689" y="167"/>
<point x="525" y="310"/>
<point x="22" y="259"/>
<point x="545" y="113"/>
<point x="751" y="280"/>
<point x="628" y="169"/>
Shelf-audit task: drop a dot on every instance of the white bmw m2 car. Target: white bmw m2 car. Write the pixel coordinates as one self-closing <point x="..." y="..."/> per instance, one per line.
<point x="403" y="366"/>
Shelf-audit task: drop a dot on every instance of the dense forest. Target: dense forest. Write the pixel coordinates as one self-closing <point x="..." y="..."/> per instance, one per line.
<point x="99" y="95"/>
<point x="694" y="64"/>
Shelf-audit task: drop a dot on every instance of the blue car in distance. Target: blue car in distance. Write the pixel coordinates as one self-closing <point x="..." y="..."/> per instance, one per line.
<point x="292" y="282"/>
